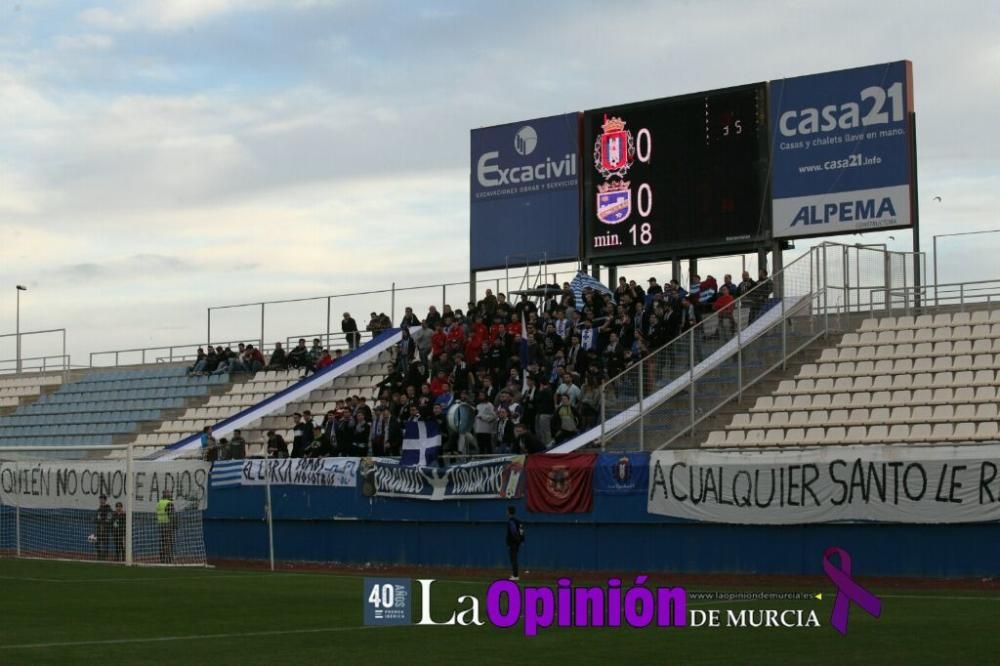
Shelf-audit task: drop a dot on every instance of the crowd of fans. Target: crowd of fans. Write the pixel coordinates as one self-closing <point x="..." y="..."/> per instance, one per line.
<point x="529" y="392"/>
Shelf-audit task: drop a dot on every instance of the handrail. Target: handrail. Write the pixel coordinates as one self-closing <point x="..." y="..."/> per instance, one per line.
<point x="170" y="358"/>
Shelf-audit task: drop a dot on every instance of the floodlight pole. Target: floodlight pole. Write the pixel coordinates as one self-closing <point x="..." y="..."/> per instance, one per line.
<point x="17" y="325"/>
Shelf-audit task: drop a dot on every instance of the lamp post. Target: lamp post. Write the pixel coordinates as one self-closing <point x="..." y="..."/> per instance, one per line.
<point x="960" y="233"/>
<point x="17" y="326"/>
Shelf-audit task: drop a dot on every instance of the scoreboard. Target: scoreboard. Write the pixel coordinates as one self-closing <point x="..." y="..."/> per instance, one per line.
<point x="675" y="174"/>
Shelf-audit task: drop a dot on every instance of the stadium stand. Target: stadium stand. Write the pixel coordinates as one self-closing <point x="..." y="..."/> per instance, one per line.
<point x="24" y="388"/>
<point x="928" y="378"/>
<point x="100" y="407"/>
<point x="258" y="388"/>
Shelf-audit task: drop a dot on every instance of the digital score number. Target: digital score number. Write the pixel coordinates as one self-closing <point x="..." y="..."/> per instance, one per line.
<point x="674" y="173"/>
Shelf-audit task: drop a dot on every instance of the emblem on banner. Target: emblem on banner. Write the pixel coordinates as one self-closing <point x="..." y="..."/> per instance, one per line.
<point x="614" y="202"/>
<point x="614" y="149"/>
<point x="623" y="470"/>
<point x="558" y="481"/>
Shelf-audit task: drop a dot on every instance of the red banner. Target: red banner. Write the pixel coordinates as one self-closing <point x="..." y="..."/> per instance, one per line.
<point x="561" y="483"/>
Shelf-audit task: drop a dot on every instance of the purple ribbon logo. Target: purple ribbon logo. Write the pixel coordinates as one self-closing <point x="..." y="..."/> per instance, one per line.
<point x="847" y="590"/>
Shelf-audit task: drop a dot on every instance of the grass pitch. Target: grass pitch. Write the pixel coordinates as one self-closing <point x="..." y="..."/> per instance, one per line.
<point x="68" y="613"/>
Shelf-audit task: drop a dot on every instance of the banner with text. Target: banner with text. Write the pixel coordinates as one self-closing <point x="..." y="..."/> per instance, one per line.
<point x="334" y="472"/>
<point x="841" y="155"/>
<point x="901" y="484"/>
<point x="79" y="484"/>
<point x="496" y="478"/>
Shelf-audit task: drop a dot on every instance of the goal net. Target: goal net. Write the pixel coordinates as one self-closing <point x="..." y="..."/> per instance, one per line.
<point x="99" y="504"/>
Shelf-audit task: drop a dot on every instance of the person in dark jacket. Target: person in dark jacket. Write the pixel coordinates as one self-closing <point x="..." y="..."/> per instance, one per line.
<point x="102" y="528"/>
<point x="350" y="328"/>
<point x="514" y="538"/>
<point x="278" y="361"/>
<point x="525" y="441"/>
<point x="277" y="447"/>
<point x="118" y="531"/>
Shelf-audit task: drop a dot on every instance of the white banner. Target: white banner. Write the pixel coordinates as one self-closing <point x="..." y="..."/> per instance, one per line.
<point x="903" y="484"/>
<point x="79" y="484"/>
<point x="336" y="472"/>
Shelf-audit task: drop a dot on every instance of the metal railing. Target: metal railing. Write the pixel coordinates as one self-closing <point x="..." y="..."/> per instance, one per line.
<point x="670" y="391"/>
<point x="908" y="299"/>
<point x="52" y="363"/>
<point x="42" y="362"/>
<point x="166" y="354"/>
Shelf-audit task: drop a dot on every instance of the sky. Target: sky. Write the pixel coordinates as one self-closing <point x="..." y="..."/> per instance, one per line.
<point x="160" y="157"/>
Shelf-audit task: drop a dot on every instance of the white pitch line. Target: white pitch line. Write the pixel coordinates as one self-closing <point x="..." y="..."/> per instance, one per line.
<point x="194" y="637"/>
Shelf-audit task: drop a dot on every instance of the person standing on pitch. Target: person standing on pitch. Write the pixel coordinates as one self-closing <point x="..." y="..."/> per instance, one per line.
<point x="515" y="537"/>
<point x="118" y="531"/>
<point x="102" y="523"/>
<point x="166" y="521"/>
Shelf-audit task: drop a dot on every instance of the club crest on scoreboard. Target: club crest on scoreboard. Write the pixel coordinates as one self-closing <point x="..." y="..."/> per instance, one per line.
<point x="614" y="202"/>
<point x="614" y="150"/>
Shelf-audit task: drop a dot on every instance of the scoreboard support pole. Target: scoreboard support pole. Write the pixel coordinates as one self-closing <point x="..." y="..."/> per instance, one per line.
<point x="675" y="268"/>
<point x="777" y="264"/>
<point x="595" y="270"/>
<point x="612" y="277"/>
<point x="692" y="269"/>
<point x="472" y="287"/>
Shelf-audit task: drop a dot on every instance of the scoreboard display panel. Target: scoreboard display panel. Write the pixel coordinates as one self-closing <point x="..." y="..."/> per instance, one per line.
<point x="675" y="174"/>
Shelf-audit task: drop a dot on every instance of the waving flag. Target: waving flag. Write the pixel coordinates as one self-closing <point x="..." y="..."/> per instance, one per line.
<point x="524" y="352"/>
<point x="421" y="443"/>
<point x="583" y="281"/>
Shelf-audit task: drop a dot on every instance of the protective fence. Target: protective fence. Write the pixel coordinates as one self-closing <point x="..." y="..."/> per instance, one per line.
<point x="661" y="399"/>
<point x="98" y="504"/>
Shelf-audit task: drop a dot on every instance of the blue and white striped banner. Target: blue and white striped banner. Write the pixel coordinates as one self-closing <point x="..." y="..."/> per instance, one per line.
<point x="583" y="281"/>
<point x="226" y="474"/>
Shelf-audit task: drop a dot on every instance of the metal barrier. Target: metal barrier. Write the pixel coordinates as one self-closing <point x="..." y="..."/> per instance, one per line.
<point x="144" y="355"/>
<point x="812" y="296"/>
<point x="45" y="362"/>
<point x="58" y="362"/>
<point x="961" y="294"/>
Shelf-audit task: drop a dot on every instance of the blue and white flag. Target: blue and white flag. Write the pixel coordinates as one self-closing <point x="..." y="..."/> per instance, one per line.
<point x="226" y="474"/>
<point x="583" y="281"/>
<point x="421" y="443"/>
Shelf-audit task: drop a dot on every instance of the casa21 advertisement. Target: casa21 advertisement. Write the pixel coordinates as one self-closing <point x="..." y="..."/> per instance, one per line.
<point x="842" y="151"/>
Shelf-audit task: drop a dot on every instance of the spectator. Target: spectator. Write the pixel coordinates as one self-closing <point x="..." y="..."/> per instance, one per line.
<point x="379" y="431"/>
<point x="299" y="356"/>
<point x="758" y="299"/>
<point x="433" y="317"/>
<point x="568" y="389"/>
<point x="566" y="419"/>
<point x="484" y="424"/>
<point x="723" y="305"/>
<point x="361" y="435"/>
<point x="208" y="443"/>
<point x="278" y="359"/>
<point x="409" y="319"/>
<point x="350" y="329"/>
<point x="405" y="351"/>
<point x="253" y="360"/>
<point x="653" y="287"/>
<point x="525" y="441"/>
<point x="324" y="361"/>
<point x="276" y="445"/>
<point x="504" y="431"/>
<point x="199" y="363"/>
<point x="302" y="431"/>
<point x="237" y="446"/>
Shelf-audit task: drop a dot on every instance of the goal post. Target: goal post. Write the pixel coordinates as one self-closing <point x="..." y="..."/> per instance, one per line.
<point x="101" y="504"/>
